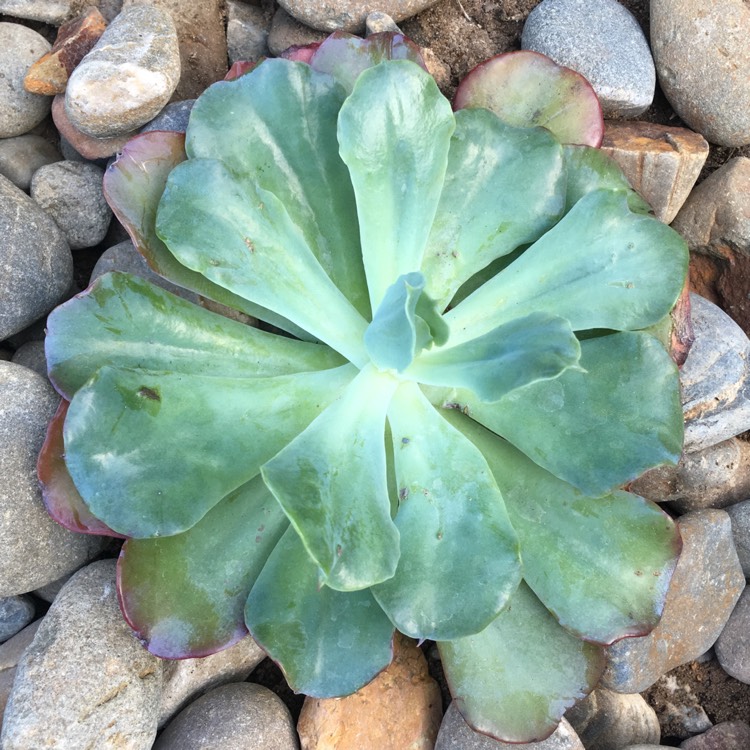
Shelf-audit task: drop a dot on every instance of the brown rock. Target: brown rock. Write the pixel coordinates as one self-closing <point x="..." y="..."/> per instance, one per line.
<point x="49" y="74"/>
<point x="400" y="708"/>
<point x="202" y="41"/>
<point x="662" y="163"/>
<point x="705" y="586"/>
<point x="85" y="145"/>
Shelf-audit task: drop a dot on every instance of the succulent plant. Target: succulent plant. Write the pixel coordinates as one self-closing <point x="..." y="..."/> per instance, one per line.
<point x="452" y="378"/>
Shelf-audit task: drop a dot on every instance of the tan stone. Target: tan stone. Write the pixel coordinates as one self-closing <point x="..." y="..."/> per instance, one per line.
<point x="399" y="710"/>
<point x="661" y="162"/>
<point x="49" y="74"/>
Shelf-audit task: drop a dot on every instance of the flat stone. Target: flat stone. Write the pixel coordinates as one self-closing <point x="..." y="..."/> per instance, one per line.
<point x="49" y="75"/>
<point x="128" y="76"/>
<point x="729" y="735"/>
<point x="706" y="585"/>
<point x="456" y="734"/>
<point x="733" y="646"/>
<point x="184" y="679"/>
<point x="714" y="379"/>
<point x="232" y="717"/>
<point x="604" y="43"/>
<point x="173" y="117"/>
<point x="247" y="31"/>
<point x="605" y="720"/>
<point x="289" y="32"/>
<point x="54" y="12"/>
<point x="71" y="193"/>
<point x="31" y="355"/>
<point x="16" y="612"/>
<point x="202" y="41"/>
<point x="84" y="681"/>
<point x="34" y="550"/>
<point x="20" y="110"/>
<point x="715" y="477"/>
<point x="21" y="156"/>
<point x="84" y="145"/>
<point x="739" y="514"/>
<point x="124" y="257"/>
<point x="710" y="87"/>
<point x="662" y="163"/>
<point x="400" y="708"/>
<point x="349" y="15"/>
<point x="37" y="266"/>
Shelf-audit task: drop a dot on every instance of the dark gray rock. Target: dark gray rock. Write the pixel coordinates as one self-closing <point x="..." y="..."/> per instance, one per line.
<point x="173" y="117"/>
<point x="456" y="734"/>
<point x="84" y="681"/>
<point x="232" y="717"/>
<point x="16" y="612"/>
<point x="604" y="43"/>
<point x="705" y="586"/>
<point x="37" y="267"/>
<point x="739" y="514"/>
<point x="605" y="720"/>
<point x="34" y="550"/>
<point x="288" y="32"/>
<point x="21" y="156"/>
<point x="20" y="111"/>
<point x="31" y="355"/>
<point x="247" y="31"/>
<point x="715" y="378"/>
<point x="128" y="76"/>
<point x="733" y="646"/>
<point x="729" y="735"/>
<point x="71" y="193"/>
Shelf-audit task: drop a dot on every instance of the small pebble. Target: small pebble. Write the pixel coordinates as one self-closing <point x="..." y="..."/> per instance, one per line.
<point x="662" y="163"/>
<point x="34" y="550"/>
<point x="605" y="720"/>
<point x="715" y="379"/>
<point x="129" y="75"/>
<point x="739" y="514"/>
<point x="31" y="355"/>
<point x="247" y="31"/>
<point x="84" y="681"/>
<point x="378" y="22"/>
<point x="16" y="612"/>
<point x="83" y="145"/>
<point x="288" y="32"/>
<point x="49" y="75"/>
<point x="733" y="646"/>
<point x="349" y="15"/>
<point x="729" y="735"/>
<point x="456" y="734"/>
<point x="20" y="111"/>
<point x="679" y="708"/>
<point x="703" y="61"/>
<point x="232" y="717"/>
<point x="604" y="43"/>
<point x="715" y="477"/>
<point x="71" y="193"/>
<point x="21" y="156"/>
<point x="174" y="117"/>
<point x="708" y="572"/>
<point x="37" y="266"/>
<point x="186" y="678"/>
<point x="400" y="708"/>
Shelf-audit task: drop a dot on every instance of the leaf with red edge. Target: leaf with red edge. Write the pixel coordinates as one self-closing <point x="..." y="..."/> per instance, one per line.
<point x="345" y="56"/>
<point x="241" y="67"/>
<point x="300" y="53"/>
<point x="61" y="498"/>
<point x="133" y="186"/>
<point x="526" y="89"/>
<point x="185" y="594"/>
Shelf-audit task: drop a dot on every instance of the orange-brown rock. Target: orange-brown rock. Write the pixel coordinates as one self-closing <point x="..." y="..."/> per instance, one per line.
<point x="661" y="162"/>
<point x="399" y="710"/>
<point x="49" y="75"/>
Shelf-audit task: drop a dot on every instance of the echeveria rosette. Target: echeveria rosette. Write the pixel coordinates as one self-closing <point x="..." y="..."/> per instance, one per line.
<point x="338" y="487"/>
